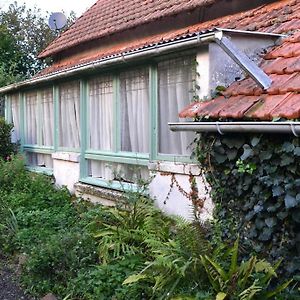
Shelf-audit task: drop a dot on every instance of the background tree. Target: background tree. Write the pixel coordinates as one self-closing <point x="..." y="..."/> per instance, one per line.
<point x="24" y="33"/>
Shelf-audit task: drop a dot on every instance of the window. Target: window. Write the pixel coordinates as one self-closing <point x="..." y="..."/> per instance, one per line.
<point x="39" y="127"/>
<point x="118" y="126"/>
<point x="134" y="98"/>
<point x="47" y="118"/>
<point x="125" y="122"/>
<point x="100" y="107"/>
<point x="176" y="89"/>
<point x="31" y="117"/>
<point x="15" y="117"/>
<point x="69" y="115"/>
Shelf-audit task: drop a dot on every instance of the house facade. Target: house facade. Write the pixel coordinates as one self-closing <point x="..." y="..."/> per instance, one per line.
<point x="97" y="118"/>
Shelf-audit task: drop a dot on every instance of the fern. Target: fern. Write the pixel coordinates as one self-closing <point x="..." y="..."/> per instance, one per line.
<point x="177" y="266"/>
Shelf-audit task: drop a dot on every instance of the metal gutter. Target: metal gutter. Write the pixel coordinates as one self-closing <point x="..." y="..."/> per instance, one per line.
<point x="120" y="58"/>
<point x="149" y="51"/>
<point x="238" y="127"/>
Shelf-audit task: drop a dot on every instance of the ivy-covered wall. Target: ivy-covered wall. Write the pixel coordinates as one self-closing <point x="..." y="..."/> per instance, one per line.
<point x="255" y="182"/>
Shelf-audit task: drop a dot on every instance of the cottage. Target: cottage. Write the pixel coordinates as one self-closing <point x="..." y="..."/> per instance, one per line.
<point x="97" y="118"/>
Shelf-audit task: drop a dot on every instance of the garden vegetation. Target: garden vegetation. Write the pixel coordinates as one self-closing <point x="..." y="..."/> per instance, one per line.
<point x="77" y="250"/>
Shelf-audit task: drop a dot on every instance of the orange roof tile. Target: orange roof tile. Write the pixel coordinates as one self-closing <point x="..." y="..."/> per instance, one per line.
<point x="110" y="16"/>
<point x="266" y="18"/>
<point x="245" y="100"/>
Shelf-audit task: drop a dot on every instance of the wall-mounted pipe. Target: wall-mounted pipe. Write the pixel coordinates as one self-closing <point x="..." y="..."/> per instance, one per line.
<point x="238" y="127"/>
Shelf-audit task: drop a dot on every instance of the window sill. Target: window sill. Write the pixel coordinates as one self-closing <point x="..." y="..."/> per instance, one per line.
<point x="175" y="167"/>
<point x="67" y="156"/>
<point x="40" y="170"/>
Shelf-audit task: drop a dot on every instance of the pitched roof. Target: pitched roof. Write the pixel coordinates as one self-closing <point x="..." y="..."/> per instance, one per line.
<point x="110" y="16"/>
<point x="274" y="18"/>
<point x="245" y="100"/>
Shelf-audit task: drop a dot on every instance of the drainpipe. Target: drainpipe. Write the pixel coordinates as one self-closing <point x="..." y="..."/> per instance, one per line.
<point x="239" y="127"/>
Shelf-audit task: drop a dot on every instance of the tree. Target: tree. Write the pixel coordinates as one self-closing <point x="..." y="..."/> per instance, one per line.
<point x="24" y="33"/>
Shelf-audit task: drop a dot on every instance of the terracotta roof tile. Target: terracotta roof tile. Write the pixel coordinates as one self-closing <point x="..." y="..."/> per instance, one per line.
<point x="264" y="107"/>
<point x="237" y="106"/>
<point x="255" y="19"/>
<point x="289" y="108"/>
<point x="108" y="17"/>
<point x="244" y="100"/>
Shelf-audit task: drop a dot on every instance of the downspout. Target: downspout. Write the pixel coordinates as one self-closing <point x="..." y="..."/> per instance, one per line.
<point x="239" y="127"/>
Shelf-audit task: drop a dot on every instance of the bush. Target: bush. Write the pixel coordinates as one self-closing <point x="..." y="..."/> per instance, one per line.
<point x="7" y="148"/>
<point x="255" y="182"/>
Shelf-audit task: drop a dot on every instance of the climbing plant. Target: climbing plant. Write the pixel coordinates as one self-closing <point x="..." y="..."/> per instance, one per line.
<point x="255" y="182"/>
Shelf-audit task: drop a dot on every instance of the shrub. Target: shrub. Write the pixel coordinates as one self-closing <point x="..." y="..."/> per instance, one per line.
<point x="255" y="186"/>
<point x="105" y="281"/>
<point x="7" y="148"/>
<point x="58" y="259"/>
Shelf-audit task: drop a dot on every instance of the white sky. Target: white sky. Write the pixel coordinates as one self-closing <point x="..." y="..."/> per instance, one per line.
<point x="78" y="6"/>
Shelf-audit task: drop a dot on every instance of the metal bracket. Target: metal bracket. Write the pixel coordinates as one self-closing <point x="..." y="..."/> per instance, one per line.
<point x="258" y="75"/>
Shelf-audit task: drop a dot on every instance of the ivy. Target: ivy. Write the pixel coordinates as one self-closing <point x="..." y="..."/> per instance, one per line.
<point x="255" y="182"/>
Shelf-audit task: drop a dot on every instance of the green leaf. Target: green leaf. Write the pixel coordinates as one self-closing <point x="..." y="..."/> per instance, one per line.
<point x="279" y="289"/>
<point x="134" y="278"/>
<point x="271" y="222"/>
<point x="290" y="201"/>
<point x="288" y="147"/>
<point x="254" y="141"/>
<point x="218" y="268"/>
<point x="297" y="151"/>
<point x="221" y="296"/>
<point x="234" y="259"/>
<point x="247" y="152"/>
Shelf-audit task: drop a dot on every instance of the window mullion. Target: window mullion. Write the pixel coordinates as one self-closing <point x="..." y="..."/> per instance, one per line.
<point x="83" y="127"/>
<point x="56" y="117"/>
<point x="116" y="115"/>
<point x="22" y="119"/>
<point x="39" y="118"/>
<point x="153" y="111"/>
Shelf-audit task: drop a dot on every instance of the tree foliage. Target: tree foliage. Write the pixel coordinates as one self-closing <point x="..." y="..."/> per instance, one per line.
<point x="24" y="33"/>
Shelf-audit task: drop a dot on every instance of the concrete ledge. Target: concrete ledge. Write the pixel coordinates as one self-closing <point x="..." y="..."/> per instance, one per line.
<point x="67" y="156"/>
<point x="176" y="168"/>
<point x="96" y="194"/>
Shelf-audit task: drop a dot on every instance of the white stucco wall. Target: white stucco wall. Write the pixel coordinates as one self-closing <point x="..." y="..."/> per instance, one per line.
<point x="66" y="169"/>
<point x="172" y="198"/>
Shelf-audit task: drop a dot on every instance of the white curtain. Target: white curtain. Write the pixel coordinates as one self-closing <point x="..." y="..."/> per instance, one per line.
<point x="70" y="115"/>
<point x="15" y="108"/>
<point x="176" y="80"/>
<point x="101" y="122"/>
<point x="114" y="171"/>
<point x="39" y="160"/>
<point x="47" y="117"/>
<point x="135" y="111"/>
<point x="101" y="114"/>
<point x="31" y="118"/>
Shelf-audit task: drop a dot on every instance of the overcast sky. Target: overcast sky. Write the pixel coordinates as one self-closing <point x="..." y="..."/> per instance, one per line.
<point x="79" y="6"/>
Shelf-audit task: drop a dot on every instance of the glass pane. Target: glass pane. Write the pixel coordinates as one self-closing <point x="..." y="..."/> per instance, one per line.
<point x="31" y="117"/>
<point x="176" y="89"/>
<point x="118" y="172"/>
<point x="101" y="113"/>
<point x="47" y="117"/>
<point x="15" y="110"/>
<point x="134" y="91"/>
<point x="69" y="115"/>
<point x="39" y="160"/>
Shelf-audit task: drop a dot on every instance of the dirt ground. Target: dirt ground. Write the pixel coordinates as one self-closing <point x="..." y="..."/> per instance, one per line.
<point x="9" y="287"/>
